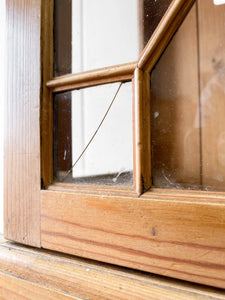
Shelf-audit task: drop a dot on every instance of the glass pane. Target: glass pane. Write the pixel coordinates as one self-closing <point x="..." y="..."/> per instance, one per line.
<point x="109" y="157"/>
<point x="90" y="34"/>
<point x="62" y="37"/>
<point x="187" y="117"/>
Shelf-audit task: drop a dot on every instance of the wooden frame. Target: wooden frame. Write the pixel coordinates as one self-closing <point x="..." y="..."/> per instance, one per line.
<point x="172" y="233"/>
<point x="140" y="72"/>
<point x="27" y="273"/>
<point x="22" y="131"/>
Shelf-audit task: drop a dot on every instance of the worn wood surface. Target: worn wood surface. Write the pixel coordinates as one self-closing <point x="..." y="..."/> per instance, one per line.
<point x="165" y="235"/>
<point x="22" y="131"/>
<point x="175" y="111"/>
<point x="14" y="288"/>
<point x="174" y="234"/>
<point x="142" y="131"/>
<point x="27" y="273"/>
<point x="110" y="74"/>
<point x="212" y="93"/>
<point x="163" y="33"/>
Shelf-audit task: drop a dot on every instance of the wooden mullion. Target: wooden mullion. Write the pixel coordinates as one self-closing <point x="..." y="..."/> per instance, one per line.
<point x="110" y="74"/>
<point x="175" y="14"/>
<point x="142" y="131"/>
<point x="46" y="121"/>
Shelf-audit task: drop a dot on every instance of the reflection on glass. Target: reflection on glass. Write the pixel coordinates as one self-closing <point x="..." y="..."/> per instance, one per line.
<point x="188" y="127"/>
<point x="62" y="37"/>
<point x="90" y="34"/>
<point x="109" y="157"/>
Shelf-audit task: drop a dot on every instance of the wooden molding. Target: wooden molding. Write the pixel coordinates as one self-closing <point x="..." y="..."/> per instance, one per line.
<point x="142" y="131"/>
<point x="175" y="14"/>
<point x="110" y="74"/>
<point x="27" y="273"/>
<point x="46" y="121"/>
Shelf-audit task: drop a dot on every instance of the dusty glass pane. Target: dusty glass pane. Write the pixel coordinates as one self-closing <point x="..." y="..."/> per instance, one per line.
<point x="62" y="37"/>
<point x="90" y="34"/>
<point x="187" y="102"/>
<point x="109" y="157"/>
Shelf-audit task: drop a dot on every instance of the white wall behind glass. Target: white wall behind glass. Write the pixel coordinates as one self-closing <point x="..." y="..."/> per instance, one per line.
<point x="104" y="33"/>
<point x="2" y="96"/>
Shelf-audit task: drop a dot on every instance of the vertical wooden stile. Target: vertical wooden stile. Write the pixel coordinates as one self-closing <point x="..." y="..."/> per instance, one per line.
<point x="46" y="97"/>
<point x="142" y="131"/>
<point x="22" y="130"/>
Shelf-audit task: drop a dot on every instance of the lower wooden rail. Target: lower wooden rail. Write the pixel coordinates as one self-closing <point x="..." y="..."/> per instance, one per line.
<point x="27" y="273"/>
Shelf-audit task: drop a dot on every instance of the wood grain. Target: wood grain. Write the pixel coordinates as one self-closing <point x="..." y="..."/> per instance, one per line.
<point x="212" y="92"/>
<point x="22" y="131"/>
<point x="110" y="74"/>
<point x="14" y="288"/>
<point x="46" y="121"/>
<point x="173" y="17"/>
<point x="167" y="236"/>
<point x="34" y="273"/>
<point x="175" y="111"/>
<point x="142" y="131"/>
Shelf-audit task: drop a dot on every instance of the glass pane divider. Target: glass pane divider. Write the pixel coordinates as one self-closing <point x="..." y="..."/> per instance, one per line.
<point x="110" y="74"/>
<point x="172" y="19"/>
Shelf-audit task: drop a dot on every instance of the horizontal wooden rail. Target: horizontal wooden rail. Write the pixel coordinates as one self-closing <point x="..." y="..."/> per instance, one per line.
<point x="27" y="273"/>
<point x="183" y="239"/>
<point x="175" y="14"/>
<point x="110" y="74"/>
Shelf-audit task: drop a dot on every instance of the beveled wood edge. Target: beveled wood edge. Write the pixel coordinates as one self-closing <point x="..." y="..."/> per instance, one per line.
<point x="174" y="15"/>
<point x="93" y="189"/>
<point x="177" y="195"/>
<point x="123" y="72"/>
<point x="77" y="277"/>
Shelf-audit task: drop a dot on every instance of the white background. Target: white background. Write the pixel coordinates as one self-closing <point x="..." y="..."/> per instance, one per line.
<point x="2" y="86"/>
<point x="218" y="2"/>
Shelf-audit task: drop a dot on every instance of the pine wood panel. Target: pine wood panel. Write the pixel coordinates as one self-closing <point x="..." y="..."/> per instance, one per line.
<point x="212" y="92"/>
<point x="14" y="288"/>
<point x="171" y="237"/>
<point x="175" y="110"/>
<point x="22" y="133"/>
<point x="86" y="279"/>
